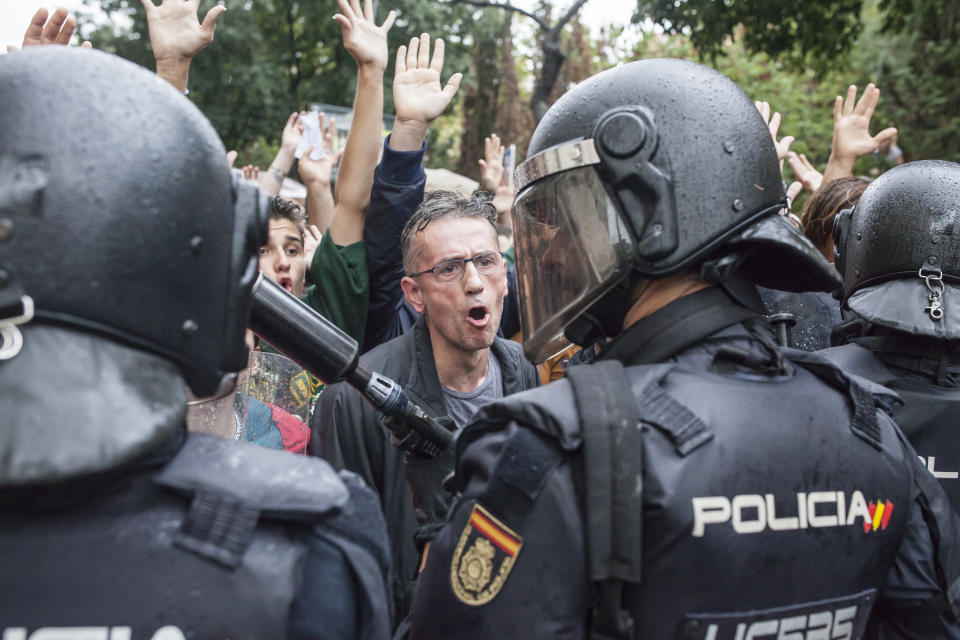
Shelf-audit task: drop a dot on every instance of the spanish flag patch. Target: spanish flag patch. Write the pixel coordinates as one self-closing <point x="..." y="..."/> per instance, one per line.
<point x="483" y="558"/>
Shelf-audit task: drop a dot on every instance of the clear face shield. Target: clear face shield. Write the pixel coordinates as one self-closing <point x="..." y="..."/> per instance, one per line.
<point x="572" y="245"/>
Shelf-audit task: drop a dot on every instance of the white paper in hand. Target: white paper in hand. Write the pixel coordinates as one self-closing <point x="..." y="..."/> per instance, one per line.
<point x="312" y="136"/>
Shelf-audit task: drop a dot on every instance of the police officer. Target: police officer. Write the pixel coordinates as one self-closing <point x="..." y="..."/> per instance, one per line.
<point x="127" y="257"/>
<point x="898" y="252"/>
<point x="696" y="480"/>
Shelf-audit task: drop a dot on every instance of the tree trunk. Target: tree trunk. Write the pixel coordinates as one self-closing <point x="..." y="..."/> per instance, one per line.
<point x="553" y="57"/>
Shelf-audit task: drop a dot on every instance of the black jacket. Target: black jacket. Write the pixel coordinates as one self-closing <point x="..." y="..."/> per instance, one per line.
<point x="345" y="430"/>
<point x="775" y="497"/>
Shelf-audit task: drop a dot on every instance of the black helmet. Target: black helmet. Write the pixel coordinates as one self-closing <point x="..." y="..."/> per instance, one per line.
<point x="898" y="250"/>
<point x="654" y="168"/>
<point x="118" y="214"/>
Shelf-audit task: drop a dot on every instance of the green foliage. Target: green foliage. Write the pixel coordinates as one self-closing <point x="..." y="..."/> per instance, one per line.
<point x="798" y="55"/>
<point x="911" y="48"/>
<point x="272" y="57"/>
<point x="799" y="32"/>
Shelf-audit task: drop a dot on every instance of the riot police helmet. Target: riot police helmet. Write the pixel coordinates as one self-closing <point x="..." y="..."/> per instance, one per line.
<point x="898" y="250"/>
<point x="649" y="169"/>
<point x="118" y="214"/>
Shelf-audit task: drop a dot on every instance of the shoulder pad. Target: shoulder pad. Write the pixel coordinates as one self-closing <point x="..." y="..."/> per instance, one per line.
<point x="824" y="366"/>
<point x="275" y="483"/>
<point x="852" y="358"/>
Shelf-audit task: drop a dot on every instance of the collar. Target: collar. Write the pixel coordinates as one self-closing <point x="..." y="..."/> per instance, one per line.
<point x="423" y="385"/>
<point x="676" y="327"/>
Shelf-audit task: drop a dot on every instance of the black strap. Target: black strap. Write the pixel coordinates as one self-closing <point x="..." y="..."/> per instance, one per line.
<point x="937" y="359"/>
<point x="612" y="455"/>
<point x="218" y="528"/>
<point x="685" y="430"/>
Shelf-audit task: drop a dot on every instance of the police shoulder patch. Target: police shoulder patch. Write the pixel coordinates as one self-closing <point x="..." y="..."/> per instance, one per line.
<point x="483" y="558"/>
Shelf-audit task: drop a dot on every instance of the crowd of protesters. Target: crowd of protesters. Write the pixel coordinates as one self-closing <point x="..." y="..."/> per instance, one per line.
<point x="427" y="283"/>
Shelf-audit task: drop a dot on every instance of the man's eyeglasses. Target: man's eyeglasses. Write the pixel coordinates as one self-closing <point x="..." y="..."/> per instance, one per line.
<point x="453" y="270"/>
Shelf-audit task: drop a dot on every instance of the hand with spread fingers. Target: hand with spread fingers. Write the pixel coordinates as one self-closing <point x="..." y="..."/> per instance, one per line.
<point x="851" y="131"/>
<point x="418" y="96"/>
<point x="176" y="36"/>
<point x="773" y="123"/>
<point x="809" y="178"/>
<point x="272" y="179"/>
<point x="58" y="29"/>
<point x="492" y="163"/>
<point x="362" y="38"/>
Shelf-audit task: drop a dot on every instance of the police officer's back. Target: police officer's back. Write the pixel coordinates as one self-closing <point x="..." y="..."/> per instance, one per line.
<point x="718" y="487"/>
<point x="126" y="261"/>
<point x="899" y="256"/>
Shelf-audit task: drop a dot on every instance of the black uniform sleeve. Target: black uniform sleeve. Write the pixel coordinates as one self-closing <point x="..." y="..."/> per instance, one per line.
<point x="921" y="596"/>
<point x="511" y="561"/>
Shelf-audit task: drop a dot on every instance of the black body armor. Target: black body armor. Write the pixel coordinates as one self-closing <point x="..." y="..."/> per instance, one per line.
<point x="720" y="489"/>
<point x="219" y="541"/>
<point x="930" y="406"/>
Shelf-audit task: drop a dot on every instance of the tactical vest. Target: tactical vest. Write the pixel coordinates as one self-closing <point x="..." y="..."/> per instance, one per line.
<point x="744" y="505"/>
<point x="927" y="415"/>
<point x="210" y="546"/>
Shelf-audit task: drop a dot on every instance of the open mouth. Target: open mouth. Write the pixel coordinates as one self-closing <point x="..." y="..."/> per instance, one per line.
<point x="286" y="282"/>
<point x="478" y="316"/>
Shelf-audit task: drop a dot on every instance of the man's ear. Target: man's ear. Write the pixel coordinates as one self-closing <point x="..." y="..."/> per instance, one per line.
<point x="412" y="293"/>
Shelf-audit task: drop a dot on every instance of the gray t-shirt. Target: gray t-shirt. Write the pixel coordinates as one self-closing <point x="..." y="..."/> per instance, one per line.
<point x="461" y="405"/>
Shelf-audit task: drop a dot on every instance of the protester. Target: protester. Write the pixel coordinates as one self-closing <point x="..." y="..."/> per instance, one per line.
<point x="449" y="364"/>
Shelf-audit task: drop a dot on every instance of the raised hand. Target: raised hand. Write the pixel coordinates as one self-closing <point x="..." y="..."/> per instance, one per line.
<point x="773" y="124"/>
<point x="57" y="30"/>
<point x="292" y="132"/>
<point x="492" y="163"/>
<point x="362" y="38"/>
<point x="175" y="32"/>
<point x="320" y="171"/>
<point x="808" y="176"/>
<point x="851" y="131"/>
<point x="851" y="124"/>
<point x="311" y="240"/>
<point x="417" y="94"/>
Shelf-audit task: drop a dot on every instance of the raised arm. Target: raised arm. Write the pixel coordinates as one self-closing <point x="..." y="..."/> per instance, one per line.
<point x="316" y="176"/>
<point x="773" y="124"/>
<point x="851" y="131"/>
<point x="272" y="179"/>
<point x="367" y="43"/>
<point x="419" y="98"/>
<point x="176" y="36"/>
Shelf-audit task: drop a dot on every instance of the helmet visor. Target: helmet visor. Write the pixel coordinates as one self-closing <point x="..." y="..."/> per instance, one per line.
<point x="572" y="246"/>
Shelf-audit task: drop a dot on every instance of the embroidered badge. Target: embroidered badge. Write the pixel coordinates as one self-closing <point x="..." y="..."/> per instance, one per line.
<point x="483" y="558"/>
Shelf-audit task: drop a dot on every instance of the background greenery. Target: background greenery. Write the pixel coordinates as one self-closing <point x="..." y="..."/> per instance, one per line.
<point x="271" y="57"/>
